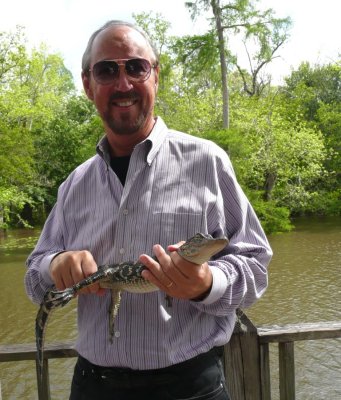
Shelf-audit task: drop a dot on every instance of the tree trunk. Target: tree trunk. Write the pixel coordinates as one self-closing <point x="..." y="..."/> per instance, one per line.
<point x="270" y="180"/>
<point x="215" y="4"/>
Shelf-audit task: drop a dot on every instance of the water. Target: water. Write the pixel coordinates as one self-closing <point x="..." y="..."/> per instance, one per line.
<point x="305" y="286"/>
<point x="17" y="316"/>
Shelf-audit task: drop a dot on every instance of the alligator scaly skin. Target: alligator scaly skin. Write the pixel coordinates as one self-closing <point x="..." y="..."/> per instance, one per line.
<point x="120" y="277"/>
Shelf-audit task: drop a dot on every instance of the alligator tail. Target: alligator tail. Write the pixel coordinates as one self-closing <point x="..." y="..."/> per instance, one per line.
<point x="52" y="299"/>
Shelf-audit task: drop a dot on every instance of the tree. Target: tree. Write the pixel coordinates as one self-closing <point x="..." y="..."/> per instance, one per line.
<point x="34" y="92"/>
<point x="242" y="16"/>
<point x="314" y="93"/>
<point x="67" y="141"/>
<point x="33" y="89"/>
<point x="264" y="42"/>
<point x="16" y="172"/>
<point x="178" y="92"/>
<point x="12" y="54"/>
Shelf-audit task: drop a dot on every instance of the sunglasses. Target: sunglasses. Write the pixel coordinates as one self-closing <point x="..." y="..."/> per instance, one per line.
<point x="107" y="71"/>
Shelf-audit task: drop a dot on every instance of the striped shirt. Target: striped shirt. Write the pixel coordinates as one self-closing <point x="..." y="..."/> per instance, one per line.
<point x="176" y="185"/>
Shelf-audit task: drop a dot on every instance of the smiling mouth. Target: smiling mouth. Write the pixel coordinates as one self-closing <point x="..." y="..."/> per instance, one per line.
<point x="124" y="103"/>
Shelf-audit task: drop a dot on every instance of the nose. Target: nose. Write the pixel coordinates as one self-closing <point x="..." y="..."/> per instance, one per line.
<point x="122" y="82"/>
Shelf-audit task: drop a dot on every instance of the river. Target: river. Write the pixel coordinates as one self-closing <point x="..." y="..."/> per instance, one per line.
<point x="305" y="286"/>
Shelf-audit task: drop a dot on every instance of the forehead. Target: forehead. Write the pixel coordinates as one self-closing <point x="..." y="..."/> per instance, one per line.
<point x="120" y="42"/>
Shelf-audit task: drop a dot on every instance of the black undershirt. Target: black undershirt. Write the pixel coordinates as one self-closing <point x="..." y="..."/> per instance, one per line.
<point x="120" y="166"/>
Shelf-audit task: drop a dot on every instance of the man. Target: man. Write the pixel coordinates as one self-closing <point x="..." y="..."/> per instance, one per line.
<point x="147" y="188"/>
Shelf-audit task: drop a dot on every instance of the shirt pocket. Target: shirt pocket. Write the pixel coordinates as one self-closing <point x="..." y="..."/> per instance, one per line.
<point x="172" y="227"/>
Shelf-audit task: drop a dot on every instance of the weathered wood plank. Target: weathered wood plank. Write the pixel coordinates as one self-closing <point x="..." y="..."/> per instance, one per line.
<point x="303" y="331"/>
<point x="246" y="356"/>
<point x="286" y="371"/>
<point x="234" y="368"/>
<point x="43" y="382"/>
<point x="20" y="352"/>
<point x="265" y="371"/>
<point x="242" y="361"/>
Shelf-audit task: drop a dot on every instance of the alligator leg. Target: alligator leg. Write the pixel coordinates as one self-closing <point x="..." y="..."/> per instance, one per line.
<point x="54" y="299"/>
<point x="113" y="310"/>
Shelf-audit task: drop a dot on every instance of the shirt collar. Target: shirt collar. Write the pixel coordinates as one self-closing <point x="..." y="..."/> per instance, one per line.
<point x="152" y="143"/>
<point x="103" y="150"/>
<point x="156" y="138"/>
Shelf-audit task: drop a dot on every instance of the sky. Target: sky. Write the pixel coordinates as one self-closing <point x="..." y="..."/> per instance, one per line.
<point x="65" y="26"/>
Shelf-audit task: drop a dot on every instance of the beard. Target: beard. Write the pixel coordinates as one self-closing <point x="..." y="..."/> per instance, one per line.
<point x="124" y="124"/>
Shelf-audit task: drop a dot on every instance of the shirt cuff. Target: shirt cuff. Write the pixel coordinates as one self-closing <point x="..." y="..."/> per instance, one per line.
<point x="45" y="268"/>
<point x="219" y="286"/>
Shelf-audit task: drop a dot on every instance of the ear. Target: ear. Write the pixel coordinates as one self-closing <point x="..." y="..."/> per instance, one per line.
<point x="87" y="86"/>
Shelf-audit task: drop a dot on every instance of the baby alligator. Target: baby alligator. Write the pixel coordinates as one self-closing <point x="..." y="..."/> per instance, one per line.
<point x="125" y="276"/>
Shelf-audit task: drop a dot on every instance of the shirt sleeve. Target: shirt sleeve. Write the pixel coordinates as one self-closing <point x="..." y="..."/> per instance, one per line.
<point x="239" y="272"/>
<point x="38" y="279"/>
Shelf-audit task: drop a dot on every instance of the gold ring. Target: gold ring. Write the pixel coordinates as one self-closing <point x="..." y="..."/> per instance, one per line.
<point x="169" y="285"/>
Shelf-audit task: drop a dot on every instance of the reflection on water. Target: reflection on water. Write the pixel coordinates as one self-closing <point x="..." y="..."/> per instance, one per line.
<point x="17" y="316"/>
<point x="305" y="284"/>
<point x="304" y="275"/>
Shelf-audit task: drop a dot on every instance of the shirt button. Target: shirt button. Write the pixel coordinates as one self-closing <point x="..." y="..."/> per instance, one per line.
<point x="122" y="251"/>
<point x="117" y="334"/>
<point x="125" y="212"/>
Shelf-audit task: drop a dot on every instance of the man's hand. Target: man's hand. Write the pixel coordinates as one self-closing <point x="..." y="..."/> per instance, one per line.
<point x="176" y="276"/>
<point x="70" y="267"/>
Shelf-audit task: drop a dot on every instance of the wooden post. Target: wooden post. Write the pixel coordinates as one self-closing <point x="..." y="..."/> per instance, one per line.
<point x="43" y="381"/>
<point x="265" y="371"/>
<point x="242" y="361"/>
<point x="286" y="371"/>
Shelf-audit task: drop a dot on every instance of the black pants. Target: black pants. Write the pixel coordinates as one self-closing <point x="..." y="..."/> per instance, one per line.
<point x="200" y="378"/>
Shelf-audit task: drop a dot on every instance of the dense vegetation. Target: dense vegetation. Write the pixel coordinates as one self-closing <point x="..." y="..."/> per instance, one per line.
<point x="284" y="141"/>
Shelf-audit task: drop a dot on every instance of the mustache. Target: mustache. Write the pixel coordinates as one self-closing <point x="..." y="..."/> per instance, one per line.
<point x="124" y="95"/>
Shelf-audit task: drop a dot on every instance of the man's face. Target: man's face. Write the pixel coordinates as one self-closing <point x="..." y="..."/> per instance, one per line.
<point x="126" y="107"/>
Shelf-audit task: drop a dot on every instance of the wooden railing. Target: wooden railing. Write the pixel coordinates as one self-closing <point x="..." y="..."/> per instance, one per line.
<point x="247" y="361"/>
<point x="247" y="365"/>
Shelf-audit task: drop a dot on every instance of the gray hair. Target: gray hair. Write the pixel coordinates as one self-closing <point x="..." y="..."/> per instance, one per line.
<point x="87" y="53"/>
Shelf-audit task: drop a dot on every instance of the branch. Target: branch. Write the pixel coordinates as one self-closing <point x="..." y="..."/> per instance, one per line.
<point x="246" y="89"/>
<point x="245" y="25"/>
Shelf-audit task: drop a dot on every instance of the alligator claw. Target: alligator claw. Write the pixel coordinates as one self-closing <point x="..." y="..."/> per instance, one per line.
<point x="58" y="298"/>
<point x="124" y="276"/>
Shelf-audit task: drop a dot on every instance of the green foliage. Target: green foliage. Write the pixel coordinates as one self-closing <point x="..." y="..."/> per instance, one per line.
<point x="156" y="28"/>
<point x="274" y="218"/>
<point x="284" y="142"/>
<point x="16" y="155"/>
<point x="199" y="56"/>
<point x="34" y="88"/>
<point x="12" y="203"/>
<point x="68" y="140"/>
<point x="324" y="203"/>
<point x="243" y="21"/>
<point x="313" y="93"/>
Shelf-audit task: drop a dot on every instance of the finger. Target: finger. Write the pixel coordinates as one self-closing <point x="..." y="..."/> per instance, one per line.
<point x="101" y="291"/>
<point x="69" y="268"/>
<point x="58" y="271"/>
<point x="168" y="268"/>
<point x="187" y="268"/>
<point x="88" y="266"/>
<point x="154" y="273"/>
<point x="58" y="281"/>
<point x="74" y="271"/>
<point x="175" y="247"/>
<point x="88" y="263"/>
